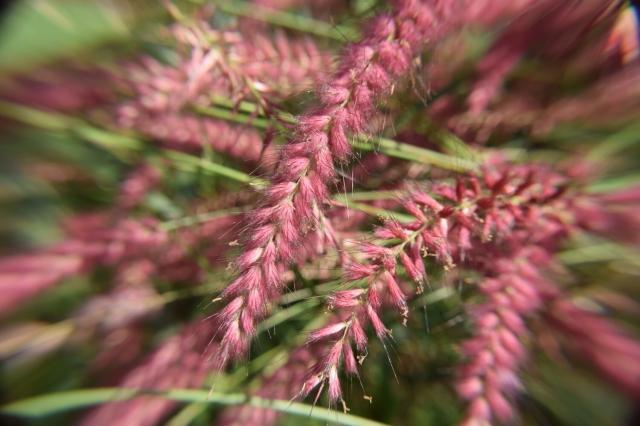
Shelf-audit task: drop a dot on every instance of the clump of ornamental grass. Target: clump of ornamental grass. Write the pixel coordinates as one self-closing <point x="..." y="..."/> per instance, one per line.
<point x="383" y="211"/>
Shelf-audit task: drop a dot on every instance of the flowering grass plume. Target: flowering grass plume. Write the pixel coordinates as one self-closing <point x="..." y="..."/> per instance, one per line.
<point x="299" y="188"/>
<point x="216" y="64"/>
<point x="177" y="363"/>
<point x="288" y="212"/>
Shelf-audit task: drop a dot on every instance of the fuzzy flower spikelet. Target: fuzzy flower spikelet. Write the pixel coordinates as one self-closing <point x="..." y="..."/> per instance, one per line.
<point x="294" y="200"/>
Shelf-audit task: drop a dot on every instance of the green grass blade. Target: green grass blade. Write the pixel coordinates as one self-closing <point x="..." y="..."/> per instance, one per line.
<point x="45" y="405"/>
<point x="192" y="162"/>
<point x="288" y="20"/>
<point x="58" y="402"/>
<point x="115" y="141"/>
<point x="615" y="184"/>
<point x="413" y="153"/>
<point x="390" y="147"/>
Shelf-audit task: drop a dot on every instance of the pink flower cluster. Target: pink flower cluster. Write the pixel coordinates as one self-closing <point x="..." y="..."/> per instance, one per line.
<point x="470" y="223"/>
<point x="589" y="335"/>
<point x="113" y="239"/>
<point x="294" y="201"/>
<point x="225" y="64"/>
<point x="91" y="241"/>
<point x="490" y="377"/>
<point x="576" y="36"/>
<point x="180" y="362"/>
<point x="499" y="227"/>
<point x="561" y="31"/>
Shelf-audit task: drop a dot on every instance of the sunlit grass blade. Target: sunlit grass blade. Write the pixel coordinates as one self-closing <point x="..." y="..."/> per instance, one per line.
<point x="116" y="142"/>
<point x="59" y="402"/>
